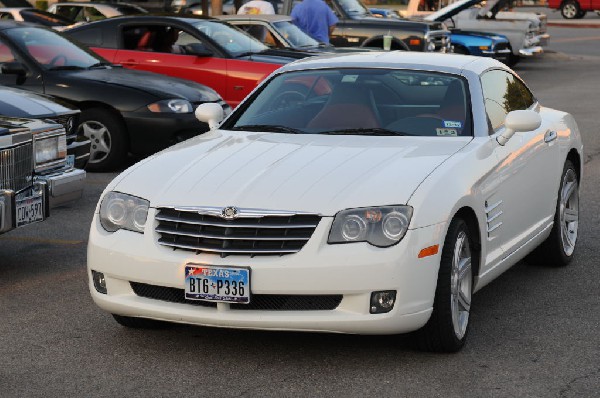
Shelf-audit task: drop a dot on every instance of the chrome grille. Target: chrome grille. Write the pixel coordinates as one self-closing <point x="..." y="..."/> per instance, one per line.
<point x="250" y="236"/>
<point x="16" y="167"/>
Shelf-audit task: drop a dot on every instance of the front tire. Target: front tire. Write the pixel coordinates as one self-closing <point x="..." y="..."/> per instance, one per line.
<point x="570" y="9"/>
<point x="447" y="329"/>
<point x="558" y="249"/>
<point x="108" y="137"/>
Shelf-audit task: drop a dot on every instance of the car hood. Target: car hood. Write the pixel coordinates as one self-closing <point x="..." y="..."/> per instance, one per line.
<point x="392" y="23"/>
<point x="451" y="10"/>
<point x="20" y="103"/>
<point x="309" y="173"/>
<point x="275" y="56"/>
<point x="160" y="86"/>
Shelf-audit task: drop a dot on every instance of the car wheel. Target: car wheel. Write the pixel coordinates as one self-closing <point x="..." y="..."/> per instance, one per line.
<point x="570" y="9"/>
<point x="139" y="323"/>
<point x="108" y="139"/>
<point x="558" y="249"/>
<point x="447" y="328"/>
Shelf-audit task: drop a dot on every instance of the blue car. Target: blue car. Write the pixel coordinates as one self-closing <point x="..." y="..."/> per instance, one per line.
<point x="466" y="42"/>
<point x="481" y="44"/>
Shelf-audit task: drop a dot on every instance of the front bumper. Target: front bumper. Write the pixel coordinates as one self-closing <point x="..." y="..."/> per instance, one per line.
<point x="353" y="271"/>
<point x="8" y="206"/>
<point x="531" y="51"/>
<point x="64" y="186"/>
<point x="80" y="150"/>
<point x="502" y="55"/>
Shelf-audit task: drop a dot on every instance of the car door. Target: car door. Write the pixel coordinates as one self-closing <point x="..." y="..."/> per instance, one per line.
<point x="522" y="198"/>
<point x="143" y="48"/>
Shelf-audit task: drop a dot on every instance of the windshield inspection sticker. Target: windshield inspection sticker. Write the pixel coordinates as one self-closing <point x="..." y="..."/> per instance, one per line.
<point x="349" y="78"/>
<point x="452" y="124"/>
<point x="450" y="132"/>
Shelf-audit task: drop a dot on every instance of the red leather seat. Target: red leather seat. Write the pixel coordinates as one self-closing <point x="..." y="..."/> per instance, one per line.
<point x="145" y="42"/>
<point x="348" y="107"/>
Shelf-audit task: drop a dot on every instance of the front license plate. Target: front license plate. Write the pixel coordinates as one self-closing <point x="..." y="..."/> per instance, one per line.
<point x="224" y="284"/>
<point x="29" y="210"/>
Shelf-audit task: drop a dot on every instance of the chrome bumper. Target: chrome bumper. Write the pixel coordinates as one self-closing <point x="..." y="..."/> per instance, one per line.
<point x="65" y="186"/>
<point x="8" y="204"/>
<point x="531" y="51"/>
<point x="543" y="40"/>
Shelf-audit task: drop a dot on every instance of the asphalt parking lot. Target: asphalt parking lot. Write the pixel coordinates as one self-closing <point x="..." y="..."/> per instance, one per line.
<point x="535" y="330"/>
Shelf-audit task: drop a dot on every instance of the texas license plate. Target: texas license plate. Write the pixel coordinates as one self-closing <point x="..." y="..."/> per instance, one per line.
<point x="29" y="210"/>
<point x="224" y="284"/>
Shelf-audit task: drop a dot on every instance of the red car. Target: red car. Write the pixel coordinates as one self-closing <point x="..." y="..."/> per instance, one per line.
<point x="204" y="50"/>
<point x="575" y="9"/>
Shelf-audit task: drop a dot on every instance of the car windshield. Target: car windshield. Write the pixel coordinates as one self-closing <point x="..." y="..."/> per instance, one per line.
<point x="358" y="102"/>
<point x="44" y="18"/>
<point x="51" y="50"/>
<point x="232" y="40"/>
<point x="354" y="7"/>
<point x="293" y="34"/>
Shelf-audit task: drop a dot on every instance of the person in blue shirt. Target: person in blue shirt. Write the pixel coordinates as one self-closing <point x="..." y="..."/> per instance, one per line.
<point x="315" y="18"/>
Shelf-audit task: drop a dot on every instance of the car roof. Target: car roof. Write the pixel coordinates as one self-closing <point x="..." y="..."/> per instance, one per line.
<point x="449" y="63"/>
<point x="257" y="17"/>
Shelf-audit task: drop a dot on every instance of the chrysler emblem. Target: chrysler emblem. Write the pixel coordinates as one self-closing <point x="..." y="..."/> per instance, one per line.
<point x="229" y="212"/>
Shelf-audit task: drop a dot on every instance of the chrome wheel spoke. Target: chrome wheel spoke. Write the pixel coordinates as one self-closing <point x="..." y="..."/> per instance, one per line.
<point x="461" y="284"/>
<point x="571" y="215"/>
<point x="464" y="301"/>
<point x="99" y="136"/>
<point x="568" y="190"/>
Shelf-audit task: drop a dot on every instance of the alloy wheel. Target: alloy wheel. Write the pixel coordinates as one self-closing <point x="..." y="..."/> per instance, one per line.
<point x="100" y="138"/>
<point x="569" y="211"/>
<point x="461" y="285"/>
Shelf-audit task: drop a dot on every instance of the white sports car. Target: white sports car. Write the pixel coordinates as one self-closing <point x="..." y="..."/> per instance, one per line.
<point x="371" y="193"/>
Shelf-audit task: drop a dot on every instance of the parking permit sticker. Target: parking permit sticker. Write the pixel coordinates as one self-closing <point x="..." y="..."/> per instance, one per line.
<point x="452" y="124"/>
<point x="448" y="132"/>
<point x="349" y="78"/>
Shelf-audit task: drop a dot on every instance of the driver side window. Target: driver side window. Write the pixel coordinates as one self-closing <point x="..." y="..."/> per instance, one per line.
<point x="6" y="54"/>
<point x="503" y="93"/>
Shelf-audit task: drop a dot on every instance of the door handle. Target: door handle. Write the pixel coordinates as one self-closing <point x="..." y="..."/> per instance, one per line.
<point x="238" y="88"/>
<point x="550" y="136"/>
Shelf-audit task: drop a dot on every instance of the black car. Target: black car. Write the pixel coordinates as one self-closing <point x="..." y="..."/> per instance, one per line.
<point x="358" y="27"/>
<point x="121" y="110"/>
<point x="25" y="104"/>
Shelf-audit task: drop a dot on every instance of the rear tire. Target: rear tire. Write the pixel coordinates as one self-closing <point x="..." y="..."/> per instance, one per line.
<point x="448" y="326"/>
<point x="558" y="249"/>
<point x="570" y="9"/>
<point x="139" y="323"/>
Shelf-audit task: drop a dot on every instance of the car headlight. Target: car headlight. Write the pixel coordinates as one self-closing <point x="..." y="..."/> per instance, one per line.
<point x="379" y="226"/>
<point x="49" y="149"/>
<point x="122" y="211"/>
<point x="171" y="106"/>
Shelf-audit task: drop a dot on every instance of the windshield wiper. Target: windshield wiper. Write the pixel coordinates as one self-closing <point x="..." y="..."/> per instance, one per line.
<point x="250" y="53"/>
<point x="66" y="67"/>
<point x="99" y="65"/>
<point x="268" y="127"/>
<point x="365" y="131"/>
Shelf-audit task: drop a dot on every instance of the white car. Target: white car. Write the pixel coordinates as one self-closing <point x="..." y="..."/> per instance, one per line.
<point x="371" y="193"/>
<point x="526" y="32"/>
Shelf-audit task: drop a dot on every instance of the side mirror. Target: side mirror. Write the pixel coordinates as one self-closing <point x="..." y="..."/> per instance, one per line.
<point x="519" y="121"/>
<point x="210" y="113"/>
<point x="13" y="68"/>
<point x="197" y="49"/>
